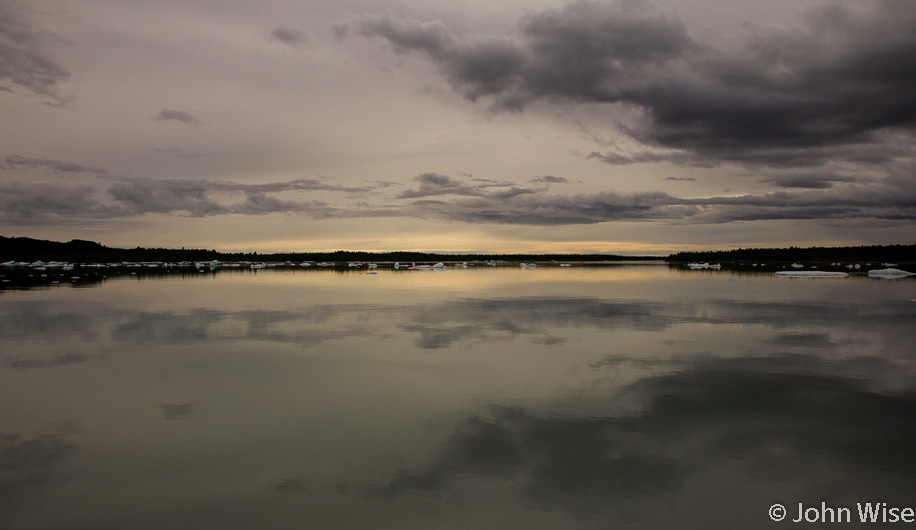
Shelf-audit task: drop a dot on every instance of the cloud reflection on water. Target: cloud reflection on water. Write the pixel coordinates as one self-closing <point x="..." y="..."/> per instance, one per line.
<point x="577" y="405"/>
<point x="542" y="320"/>
<point x="763" y="414"/>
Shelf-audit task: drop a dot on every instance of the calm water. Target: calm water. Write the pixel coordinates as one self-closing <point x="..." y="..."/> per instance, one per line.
<point x="638" y="397"/>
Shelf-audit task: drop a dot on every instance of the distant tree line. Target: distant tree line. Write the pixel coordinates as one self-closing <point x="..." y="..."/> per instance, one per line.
<point x="81" y="251"/>
<point x="876" y="253"/>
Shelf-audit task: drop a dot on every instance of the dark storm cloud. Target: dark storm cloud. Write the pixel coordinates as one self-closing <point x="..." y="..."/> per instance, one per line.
<point x="476" y="66"/>
<point x="24" y="61"/>
<point x="787" y="96"/>
<point x="16" y="161"/>
<point x="287" y="35"/>
<point x="182" y="116"/>
<point x="819" y="181"/>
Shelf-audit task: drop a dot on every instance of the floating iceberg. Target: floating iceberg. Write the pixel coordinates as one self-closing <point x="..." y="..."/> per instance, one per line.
<point x="890" y="273"/>
<point x="811" y="274"/>
<point x="437" y="267"/>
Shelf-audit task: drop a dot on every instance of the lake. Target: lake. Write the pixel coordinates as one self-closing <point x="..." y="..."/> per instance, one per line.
<point x="637" y="396"/>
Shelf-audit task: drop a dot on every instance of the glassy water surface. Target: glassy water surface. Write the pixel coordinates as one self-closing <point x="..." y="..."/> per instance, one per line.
<point x="638" y="397"/>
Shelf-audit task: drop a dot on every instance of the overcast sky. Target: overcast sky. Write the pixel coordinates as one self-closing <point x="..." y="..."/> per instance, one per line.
<point x="463" y="125"/>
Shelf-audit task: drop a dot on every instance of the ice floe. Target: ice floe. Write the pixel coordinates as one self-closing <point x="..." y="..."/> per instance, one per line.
<point x="889" y="273"/>
<point x="811" y="274"/>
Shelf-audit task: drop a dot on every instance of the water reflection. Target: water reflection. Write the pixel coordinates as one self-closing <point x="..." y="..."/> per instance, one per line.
<point x="440" y="326"/>
<point x="177" y="411"/>
<point x="28" y="464"/>
<point x="758" y="415"/>
<point x="517" y="399"/>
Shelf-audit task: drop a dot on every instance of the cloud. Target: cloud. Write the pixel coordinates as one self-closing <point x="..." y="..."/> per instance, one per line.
<point x="287" y="35"/>
<point x="677" y="158"/>
<point x="810" y="180"/>
<point x="24" y="61"/>
<point x="196" y="196"/>
<point x="30" y="203"/>
<point x="892" y="198"/>
<point x="549" y="179"/>
<point x="476" y="66"/>
<point x="110" y="197"/>
<point x="807" y="194"/>
<point x="541" y="209"/>
<point x="679" y="179"/>
<point x="182" y="116"/>
<point x="433" y="184"/>
<point x="827" y="88"/>
<point x="16" y="161"/>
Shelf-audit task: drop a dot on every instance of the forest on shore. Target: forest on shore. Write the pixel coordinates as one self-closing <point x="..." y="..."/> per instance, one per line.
<point x="24" y="249"/>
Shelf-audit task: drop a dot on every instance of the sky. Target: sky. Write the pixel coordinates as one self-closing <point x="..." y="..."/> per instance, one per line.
<point x="629" y="127"/>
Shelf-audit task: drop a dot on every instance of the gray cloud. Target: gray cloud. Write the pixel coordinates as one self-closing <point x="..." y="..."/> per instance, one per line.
<point x="433" y="184"/>
<point x="810" y="180"/>
<point x="47" y="202"/>
<point x="182" y="116"/>
<point x="679" y="179"/>
<point x="287" y="35"/>
<point x="16" y="161"/>
<point x="139" y="196"/>
<point x="24" y="61"/>
<point x="792" y="96"/>
<point x="677" y="158"/>
<point x="39" y="202"/>
<point x="560" y="209"/>
<point x="476" y="66"/>
<point x="468" y="199"/>
<point x="889" y="199"/>
<point x="892" y="199"/>
<point x="549" y="179"/>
